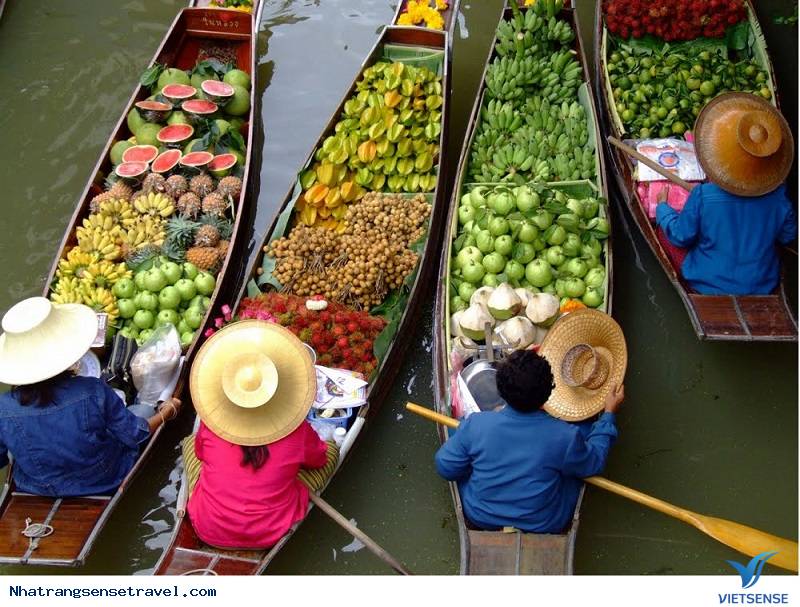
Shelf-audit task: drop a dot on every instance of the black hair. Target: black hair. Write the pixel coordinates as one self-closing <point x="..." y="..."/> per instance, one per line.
<point x="41" y="393"/>
<point x="524" y="380"/>
<point x="255" y="456"/>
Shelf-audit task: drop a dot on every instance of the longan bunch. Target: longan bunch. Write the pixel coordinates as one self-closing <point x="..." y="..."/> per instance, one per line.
<point x="360" y="266"/>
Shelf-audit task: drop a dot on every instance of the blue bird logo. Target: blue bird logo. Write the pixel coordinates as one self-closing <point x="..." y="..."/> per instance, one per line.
<point x="752" y="571"/>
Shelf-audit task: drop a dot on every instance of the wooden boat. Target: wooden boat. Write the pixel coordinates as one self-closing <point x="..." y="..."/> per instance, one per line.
<point x="77" y="522"/>
<point x="490" y="552"/>
<point x="449" y="15"/>
<point x="186" y="552"/>
<point x="714" y="317"/>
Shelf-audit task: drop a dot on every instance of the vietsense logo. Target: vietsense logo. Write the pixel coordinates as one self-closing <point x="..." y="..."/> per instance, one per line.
<point x="750" y="575"/>
<point x="752" y="572"/>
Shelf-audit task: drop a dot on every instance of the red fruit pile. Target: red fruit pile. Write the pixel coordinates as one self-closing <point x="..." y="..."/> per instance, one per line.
<point x="672" y="20"/>
<point x="341" y="337"/>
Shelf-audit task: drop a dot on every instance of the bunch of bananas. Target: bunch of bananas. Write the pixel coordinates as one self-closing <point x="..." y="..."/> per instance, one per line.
<point x="67" y="290"/>
<point x="118" y="211"/>
<point x="75" y="263"/>
<point x="100" y="299"/>
<point x="548" y="141"/>
<point x="95" y="239"/>
<point x="147" y="229"/>
<point x="555" y="76"/>
<point x="531" y="33"/>
<point x="154" y="204"/>
<point x="386" y="140"/>
<point x="104" y="273"/>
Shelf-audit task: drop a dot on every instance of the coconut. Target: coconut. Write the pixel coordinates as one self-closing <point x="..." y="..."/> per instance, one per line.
<point x="524" y="295"/>
<point x="542" y="309"/>
<point x="518" y="332"/>
<point x="455" y="328"/>
<point x="481" y="296"/>
<point x="504" y="303"/>
<point x="473" y="320"/>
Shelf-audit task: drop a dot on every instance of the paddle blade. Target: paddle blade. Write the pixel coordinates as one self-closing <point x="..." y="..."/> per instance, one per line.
<point x="750" y="541"/>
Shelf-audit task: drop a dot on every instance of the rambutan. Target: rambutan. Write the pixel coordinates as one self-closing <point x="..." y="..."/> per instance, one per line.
<point x="342" y="342"/>
<point x="352" y="327"/>
<point x="340" y="318"/>
<point x="325" y="316"/>
<point x="305" y="335"/>
<point x="339" y="330"/>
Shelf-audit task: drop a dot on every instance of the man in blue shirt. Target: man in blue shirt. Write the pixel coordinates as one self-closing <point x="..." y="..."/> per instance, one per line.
<point x="732" y="225"/>
<point x="519" y="467"/>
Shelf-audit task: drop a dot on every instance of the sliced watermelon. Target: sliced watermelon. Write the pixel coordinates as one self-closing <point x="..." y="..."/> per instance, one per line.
<point x="219" y="92"/>
<point x="221" y="165"/>
<point x="175" y="133"/>
<point x="197" y="159"/>
<point x="199" y="107"/>
<point x="131" y="170"/>
<point x="178" y="92"/>
<point x="166" y="161"/>
<point x="154" y="111"/>
<point x="140" y="153"/>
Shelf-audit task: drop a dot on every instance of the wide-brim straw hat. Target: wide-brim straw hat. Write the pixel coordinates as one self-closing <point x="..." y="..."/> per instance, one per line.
<point x="41" y="339"/>
<point x="583" y="347"/>
<point x="744" y="144"/>
<point x="252" y="383"/>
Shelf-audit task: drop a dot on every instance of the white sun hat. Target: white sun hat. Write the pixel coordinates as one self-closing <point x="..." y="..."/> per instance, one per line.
<point x="41" y="339"/>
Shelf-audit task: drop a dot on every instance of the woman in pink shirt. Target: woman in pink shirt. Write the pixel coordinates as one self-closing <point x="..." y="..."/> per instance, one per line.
<point x="252" y="385"/>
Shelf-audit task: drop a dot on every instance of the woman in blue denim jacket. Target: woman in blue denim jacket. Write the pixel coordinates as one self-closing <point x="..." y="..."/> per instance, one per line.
<point x="68" y="435"/>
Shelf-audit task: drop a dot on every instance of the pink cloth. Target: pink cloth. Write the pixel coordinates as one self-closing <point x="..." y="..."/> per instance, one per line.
<point x="676" y="254"/>
<point x="234" y="506"/>
<point x="649" y="190"/>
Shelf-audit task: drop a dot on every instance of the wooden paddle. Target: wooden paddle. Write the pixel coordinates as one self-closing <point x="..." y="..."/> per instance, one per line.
<point x="653" y="165"/>
<point x="358" y="534"/>
<point x="741" y="538"/>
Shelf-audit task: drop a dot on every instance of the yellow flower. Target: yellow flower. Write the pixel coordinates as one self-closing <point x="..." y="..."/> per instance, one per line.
<point x="441" y="4"/>
<point x="530" y="2"/>
<point x="405" y="19"/>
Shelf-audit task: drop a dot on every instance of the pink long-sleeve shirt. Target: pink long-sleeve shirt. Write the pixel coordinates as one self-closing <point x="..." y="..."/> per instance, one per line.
<point x="234" y="506"/>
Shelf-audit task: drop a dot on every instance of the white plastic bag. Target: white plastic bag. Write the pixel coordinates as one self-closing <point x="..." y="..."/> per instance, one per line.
<point x="153" y="366"/>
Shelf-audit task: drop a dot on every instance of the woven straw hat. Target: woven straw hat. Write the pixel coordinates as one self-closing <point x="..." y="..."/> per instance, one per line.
<point x="252" y="383"/>
<point x="587" y="353"/>
<point x="743" y="144"/>
<point x="41" y="339"/>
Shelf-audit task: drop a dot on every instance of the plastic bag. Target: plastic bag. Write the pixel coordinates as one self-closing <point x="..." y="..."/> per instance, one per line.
<point x="674" y="155"/>
<point x="153" y="366"/>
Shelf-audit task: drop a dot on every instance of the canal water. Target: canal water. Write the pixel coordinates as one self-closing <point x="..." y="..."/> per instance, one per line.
<point x="708" y="426"/>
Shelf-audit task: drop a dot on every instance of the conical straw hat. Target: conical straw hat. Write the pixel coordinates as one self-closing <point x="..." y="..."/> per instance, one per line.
<point x="252" y="383"/>
<point x="41" y="339"/>
<point x="587" y="353"/>
<point x="743" y="144"/>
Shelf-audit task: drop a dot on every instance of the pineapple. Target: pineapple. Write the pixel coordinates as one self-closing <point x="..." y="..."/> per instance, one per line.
<point x="222" y="247"/>
<point x="230" y="186"/>
<point x="154" y="183"/>
<point x="136" y="256"/>
<point x="205" y="258"/>
<point x="121" y="190"/>
<point x="215" y="204"/>
<point x="202" y="185"/>
<point x="180" y="231"/>
<point x="224" y="226"/>
<point x="206" y="236"/>
<point x="176" y="186"/>
<point x="189" y="204"/>
<point x="173" y="251"/>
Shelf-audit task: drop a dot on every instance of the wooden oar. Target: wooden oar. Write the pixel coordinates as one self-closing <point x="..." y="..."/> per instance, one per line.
<point x="742" y="538"/>
<point x="653" y="165"/>
<point x="358" y="534"/>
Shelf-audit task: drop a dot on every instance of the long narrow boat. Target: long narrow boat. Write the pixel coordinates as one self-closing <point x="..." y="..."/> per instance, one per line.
<point x="714" y="317"/>
<point x="488" y="552"/>
<point x="78" y="521"/>
<point x="186" y="552"/>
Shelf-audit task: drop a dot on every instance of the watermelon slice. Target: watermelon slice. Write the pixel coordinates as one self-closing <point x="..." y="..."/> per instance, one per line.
<point x="199" y="108"/>
<point x="178" y="92"/>
<point x="197" y="160"/>
<point x="131" y="170"/>
<point x="166" y="161"/>
<point x="221" y="165"/>
<point x="153" y="111"/>
<point x="140" y="153"/>
<point x="174" y="134"/>
<point x="218" y="92"/>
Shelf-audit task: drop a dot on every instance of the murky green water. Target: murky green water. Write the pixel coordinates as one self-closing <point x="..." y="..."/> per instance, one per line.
<point x="712" y="427"/>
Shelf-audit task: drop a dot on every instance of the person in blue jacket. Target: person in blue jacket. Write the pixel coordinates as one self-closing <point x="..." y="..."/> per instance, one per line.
<point x="68" y="435"/>
<point x="519" y="466"/>
<point x="732" y="226"/>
